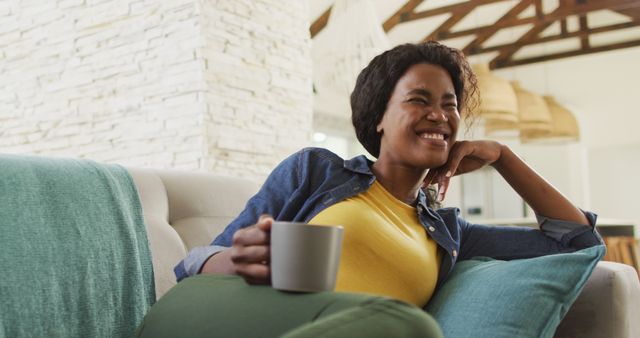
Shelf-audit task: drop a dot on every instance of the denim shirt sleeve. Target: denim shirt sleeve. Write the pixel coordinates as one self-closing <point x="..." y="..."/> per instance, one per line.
<point x="270" y="199"/>
<point x="515" y="242"/>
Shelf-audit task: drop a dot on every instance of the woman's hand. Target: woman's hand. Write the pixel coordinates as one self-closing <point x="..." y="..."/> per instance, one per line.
<point x="249" y="255"/>
<point x="251" y="251"/>
<point x="464" y="157"/>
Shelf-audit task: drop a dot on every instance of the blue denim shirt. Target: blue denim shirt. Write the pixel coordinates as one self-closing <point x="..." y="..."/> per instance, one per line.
<point x="313" y="179"/>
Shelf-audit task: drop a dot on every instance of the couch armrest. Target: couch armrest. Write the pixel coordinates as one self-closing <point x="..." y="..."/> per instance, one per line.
<point x="609" y="305"/>
<point x="183" y="210"/>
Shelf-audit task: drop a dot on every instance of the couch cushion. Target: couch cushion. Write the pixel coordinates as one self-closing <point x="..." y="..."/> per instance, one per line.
<point x="518" y="298"/>
<point x="202" y="204"/>
<point x="183" y="210"/>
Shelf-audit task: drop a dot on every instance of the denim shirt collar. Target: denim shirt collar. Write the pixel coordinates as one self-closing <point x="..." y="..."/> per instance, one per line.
<point x="422" y="200"/>
<point x="359" y="164"/>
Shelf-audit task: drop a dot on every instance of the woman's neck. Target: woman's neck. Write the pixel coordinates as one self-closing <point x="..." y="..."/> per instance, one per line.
<point x="402" y="182"/>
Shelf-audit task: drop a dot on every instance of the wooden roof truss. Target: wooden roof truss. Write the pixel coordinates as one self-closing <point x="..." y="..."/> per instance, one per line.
<point x="513" y="18"/>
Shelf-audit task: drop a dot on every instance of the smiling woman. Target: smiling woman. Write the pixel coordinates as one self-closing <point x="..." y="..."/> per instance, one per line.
<point x="418" y="127"/>
<point x="406" y="111"/>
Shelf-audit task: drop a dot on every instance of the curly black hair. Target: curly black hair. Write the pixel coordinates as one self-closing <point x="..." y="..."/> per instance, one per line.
<point x="376" y="82"/>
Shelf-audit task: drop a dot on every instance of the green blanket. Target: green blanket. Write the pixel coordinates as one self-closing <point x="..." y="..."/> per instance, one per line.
<point x="75" y="258"/>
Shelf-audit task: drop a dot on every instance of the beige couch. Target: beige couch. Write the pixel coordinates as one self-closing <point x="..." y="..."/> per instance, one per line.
<point x="187" y="209"/>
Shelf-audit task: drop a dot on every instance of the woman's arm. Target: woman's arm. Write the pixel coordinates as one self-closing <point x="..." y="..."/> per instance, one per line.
<point x="467" y="156"/>
<point x="543" y="198"/>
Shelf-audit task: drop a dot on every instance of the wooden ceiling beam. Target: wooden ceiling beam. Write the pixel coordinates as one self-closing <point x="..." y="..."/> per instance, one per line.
<point x="538" y="7"/>
<point x="563" y="26"/>
<point x="401" y="14"/>
<point x="590" y="50"/>
<point x="540" y="20"/>
<point x="561" y="36"/>
<point x="406" y="13"/>
<point x="531" y="35"/>
<point x="633" y="13"/>
<point x="320" y="22"/>
<point x="566" y="6"/>
<point x="448" y="9"/>
<point x="458" y="12"/>
<point x="584" y="27"/>
<point x="558" y="14"/>
<point x="456" y="15"/>
<point x="486" y="34"/>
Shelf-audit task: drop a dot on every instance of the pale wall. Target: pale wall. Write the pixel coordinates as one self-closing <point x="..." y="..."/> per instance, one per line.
<point x="220" y="85"/>
<point x="615" y="182"/>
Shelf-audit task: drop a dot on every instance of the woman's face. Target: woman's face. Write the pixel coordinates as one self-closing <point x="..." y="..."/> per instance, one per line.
<point x="421" y="121"/>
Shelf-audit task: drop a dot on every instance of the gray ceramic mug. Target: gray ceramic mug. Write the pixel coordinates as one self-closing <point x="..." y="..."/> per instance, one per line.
<point x="305" y="257"/>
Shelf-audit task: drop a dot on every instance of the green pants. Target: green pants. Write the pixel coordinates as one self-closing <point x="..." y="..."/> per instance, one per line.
<point x="227" y="307"/>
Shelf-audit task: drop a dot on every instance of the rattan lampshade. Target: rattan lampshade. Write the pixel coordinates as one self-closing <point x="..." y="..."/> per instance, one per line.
<point x="564" y="126"/>
<point x="501" y="129"/>
<point x="532" y="110"/>
<point x="534" y="116"/>
<point x="498" y="99"/>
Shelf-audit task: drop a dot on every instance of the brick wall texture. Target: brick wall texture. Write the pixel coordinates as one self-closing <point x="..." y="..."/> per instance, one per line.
<point x="216" y="85"/>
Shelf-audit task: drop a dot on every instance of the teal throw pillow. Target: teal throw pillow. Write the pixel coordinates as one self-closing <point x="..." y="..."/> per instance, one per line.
<point x="519" y="298"/>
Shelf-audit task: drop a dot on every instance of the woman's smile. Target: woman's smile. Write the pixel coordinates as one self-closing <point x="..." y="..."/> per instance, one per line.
<point x="434" y="137"/>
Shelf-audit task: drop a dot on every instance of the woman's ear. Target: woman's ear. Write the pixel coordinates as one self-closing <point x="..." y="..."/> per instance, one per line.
<point x="379" y="127"/>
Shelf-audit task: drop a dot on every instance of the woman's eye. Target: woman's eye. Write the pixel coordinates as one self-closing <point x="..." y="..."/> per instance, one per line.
<point x="418" y="100"/>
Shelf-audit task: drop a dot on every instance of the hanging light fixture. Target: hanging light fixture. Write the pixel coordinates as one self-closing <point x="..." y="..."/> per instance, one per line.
<point x="534" y="114"/>
<point x="564" y="126"/>
<point x="534" y="117"/>
<point x="498" y="105"/>
<point x="354" y="36"/>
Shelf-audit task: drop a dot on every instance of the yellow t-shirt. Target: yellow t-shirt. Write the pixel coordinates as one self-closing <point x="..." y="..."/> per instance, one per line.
<point x="386" y="251"/>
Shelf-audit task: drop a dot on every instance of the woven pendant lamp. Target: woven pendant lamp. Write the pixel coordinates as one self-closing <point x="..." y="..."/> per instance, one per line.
<point x="533" y="112"/>
<point x="498" y="99"/>
<point x="501" y="129"/>
<point x="534" y="116"/>
<point x="564" y="126"/>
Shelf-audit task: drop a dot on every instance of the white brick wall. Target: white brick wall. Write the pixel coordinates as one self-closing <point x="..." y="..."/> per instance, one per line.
<point x="258" y="72"/>
<point x="217" y="85"/>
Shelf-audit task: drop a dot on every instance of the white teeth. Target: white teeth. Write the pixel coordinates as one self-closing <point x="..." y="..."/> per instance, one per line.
<point x="432" y="136"/>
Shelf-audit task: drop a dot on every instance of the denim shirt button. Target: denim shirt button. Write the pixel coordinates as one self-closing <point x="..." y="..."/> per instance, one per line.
<point x="454" y="253"/>
<point x="432" y="229"/>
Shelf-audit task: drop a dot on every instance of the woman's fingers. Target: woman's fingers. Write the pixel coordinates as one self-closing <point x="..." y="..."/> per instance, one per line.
<point x="254" y="235"/>
<point x="254" y="273"/>
<point x="443" y="186"/>
<point x="464" y="157"/>
<point x="250" y="254"/>
<point x="430" y="178"/>
<point x="456" y="155"/>
<point x="458" y="152"/>
<point x="265" y="222"/>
